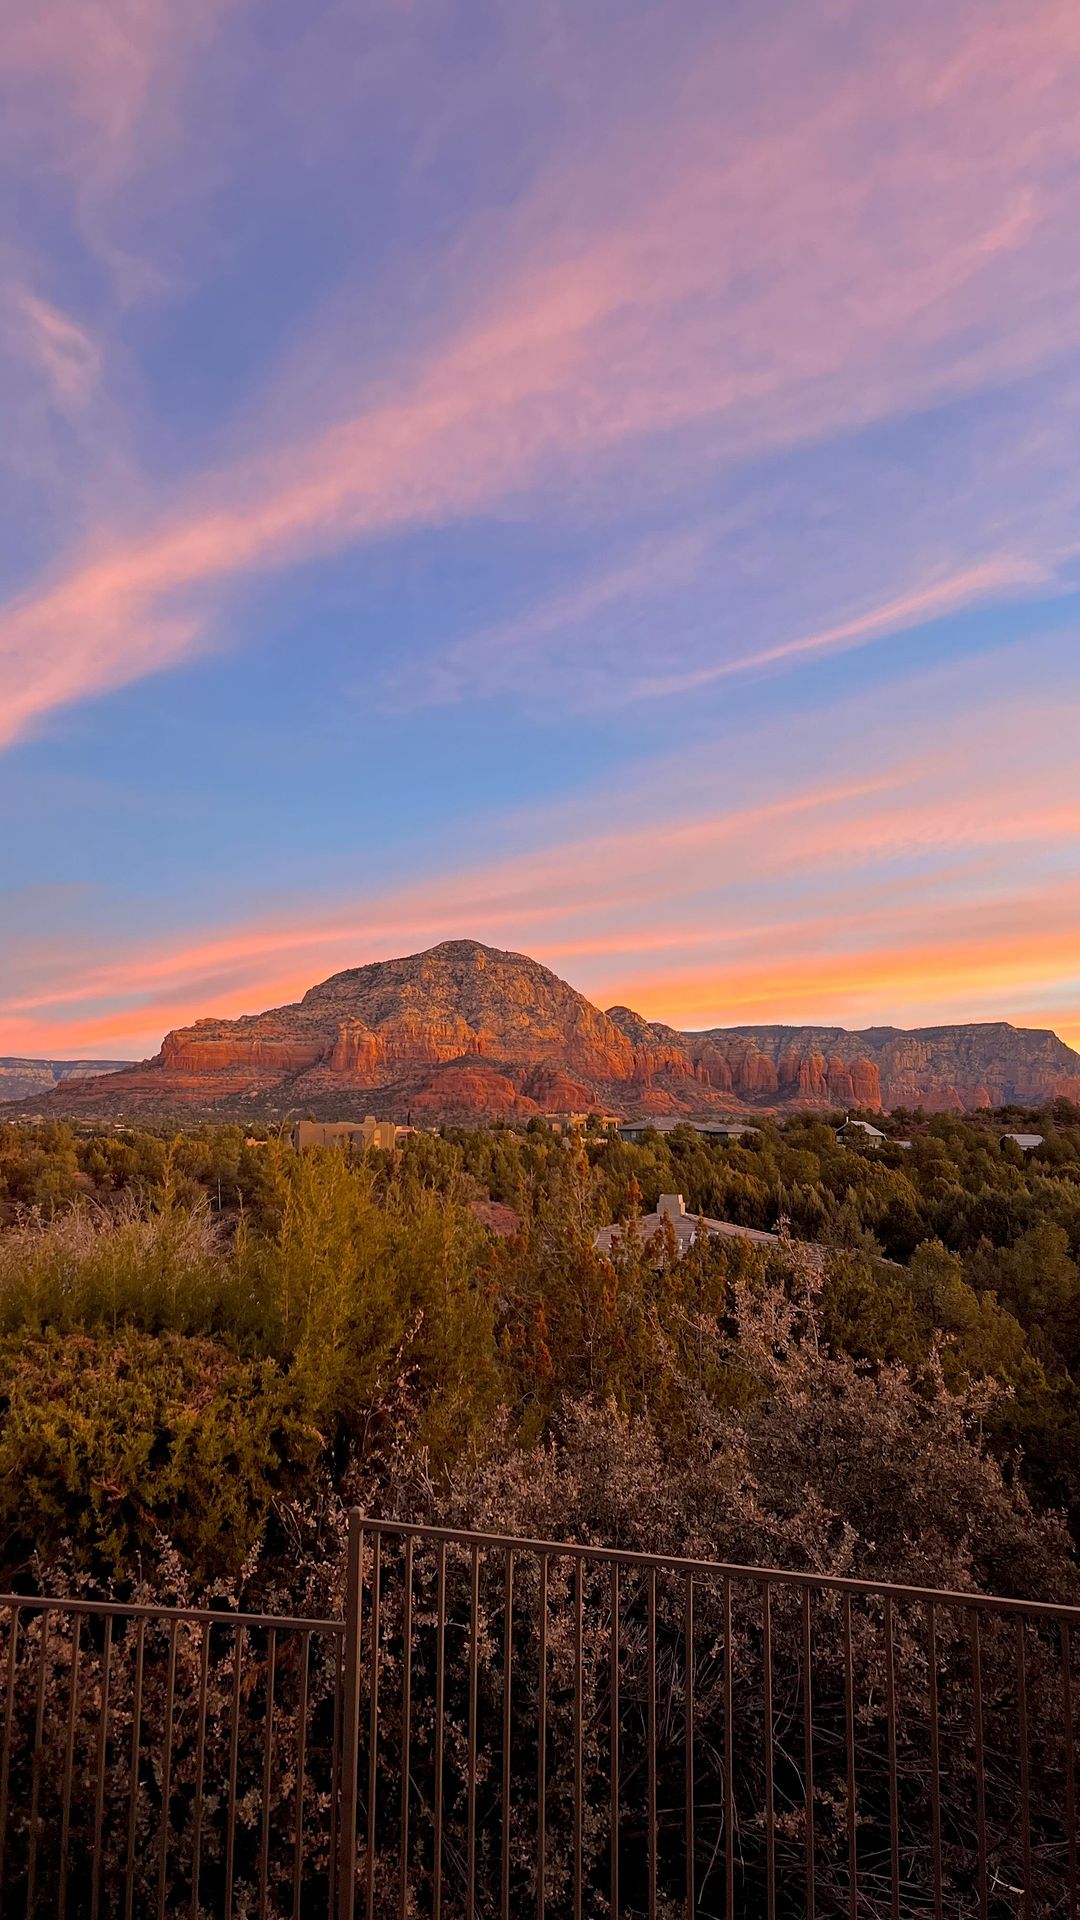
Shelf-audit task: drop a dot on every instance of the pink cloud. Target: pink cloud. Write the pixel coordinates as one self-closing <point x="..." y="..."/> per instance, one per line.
<point x="732" y="278"/>
<point x="93" y="92"/>
<point x="878" y="880"/>
<point x="62" y="351"/>
<point x="913" y="967"/>
<point x="85" y="74"/>
<point x="982" y="962"/>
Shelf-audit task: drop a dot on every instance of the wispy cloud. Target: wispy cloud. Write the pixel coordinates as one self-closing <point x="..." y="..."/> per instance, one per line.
<point x="749" y="294"/>
<point x="92" y="94"/>
<point x="863" y="876"/>
<point x="55" y="345"/>
<point x="82" y="75"/>
<point x="511" y="657"/>
<point x="979" y="971"/>
<point x="993" y="580"/>
<point x="499" y="657"/>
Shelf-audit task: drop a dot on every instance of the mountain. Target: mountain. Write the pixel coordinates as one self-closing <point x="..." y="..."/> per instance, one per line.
<point x="956" y="1068"/>
<point x="21" y="1079"/>
<point x="466" y="1031"/>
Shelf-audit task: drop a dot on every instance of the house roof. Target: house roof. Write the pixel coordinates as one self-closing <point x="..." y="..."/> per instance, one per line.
<point x="667" y="1122"/>
<point x="671" y="1207"/>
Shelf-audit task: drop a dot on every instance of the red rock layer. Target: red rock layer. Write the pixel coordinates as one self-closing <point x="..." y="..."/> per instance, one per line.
<point x="464" y="1091"/>
<point x="466" y="1030"/>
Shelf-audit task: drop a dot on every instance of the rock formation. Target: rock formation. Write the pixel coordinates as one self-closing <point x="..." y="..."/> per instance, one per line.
<point x="468" y="1031"/>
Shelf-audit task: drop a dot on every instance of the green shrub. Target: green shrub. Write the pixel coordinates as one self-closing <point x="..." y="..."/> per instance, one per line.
<point x="119" y="1442"/>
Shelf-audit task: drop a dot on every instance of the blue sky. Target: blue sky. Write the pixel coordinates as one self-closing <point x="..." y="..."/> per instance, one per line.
<point x="600" y="478"/>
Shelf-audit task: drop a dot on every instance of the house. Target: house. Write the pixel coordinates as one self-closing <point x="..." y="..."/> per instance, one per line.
<point x="1027" y="1142"/>
<point x="722" y="1130"/>
<point x="575" y="1123"/>
<point x="634" y="1131"/>
<point x="671" y="1208"/>
<point x="859" y="1133"/>
<point x="360" y="1134"/>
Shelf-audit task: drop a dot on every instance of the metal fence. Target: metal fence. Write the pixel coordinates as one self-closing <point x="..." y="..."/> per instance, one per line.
<point x="167" y="1762"/>
<point x="502" y="1727"/>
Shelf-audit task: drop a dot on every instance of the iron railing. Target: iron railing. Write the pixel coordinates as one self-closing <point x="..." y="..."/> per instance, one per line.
<point x="166" y="1762"/>
<point x="501" y="1727"/>
<point x="560" y="1730"/>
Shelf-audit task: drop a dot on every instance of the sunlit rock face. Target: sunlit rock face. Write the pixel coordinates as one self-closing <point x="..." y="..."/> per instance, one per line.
<point x="956" y="1068"/>
<point x="466" y="1031"/>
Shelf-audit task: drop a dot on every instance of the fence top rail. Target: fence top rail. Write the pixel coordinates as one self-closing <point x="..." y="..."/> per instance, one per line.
<point x="195" y="1616"/>
<point x="719" y="1570"/>
<point x="705" y="1570"/>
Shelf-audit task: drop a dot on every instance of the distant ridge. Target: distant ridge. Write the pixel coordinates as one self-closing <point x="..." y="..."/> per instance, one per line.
<point x="21" y="1079"/>
<point x="468" y="1031"/>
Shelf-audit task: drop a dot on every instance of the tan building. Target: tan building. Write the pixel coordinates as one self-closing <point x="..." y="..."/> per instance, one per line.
<point x="360" y="1134"/>
<point x="571" y="1123"/>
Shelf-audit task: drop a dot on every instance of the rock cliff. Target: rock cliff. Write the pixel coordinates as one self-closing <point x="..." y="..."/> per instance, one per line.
<point x="467" y="1031"/>
<point x="956" y="1068"/>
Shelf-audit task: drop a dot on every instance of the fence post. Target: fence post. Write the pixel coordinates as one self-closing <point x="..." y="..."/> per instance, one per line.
<point x="349" y="1759"/>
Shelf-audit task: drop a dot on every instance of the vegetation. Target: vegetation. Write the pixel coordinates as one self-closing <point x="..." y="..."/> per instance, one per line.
<point x="200" y="1334"/>
<point x="211" y="1346"/>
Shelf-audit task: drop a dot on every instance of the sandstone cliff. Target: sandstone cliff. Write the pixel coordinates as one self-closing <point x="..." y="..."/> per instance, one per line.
<point x="466" y="1031"/>
<point x="955" y="1068"/>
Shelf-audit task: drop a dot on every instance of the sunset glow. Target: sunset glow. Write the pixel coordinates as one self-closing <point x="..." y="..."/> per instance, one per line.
<point x="592" y="478"/>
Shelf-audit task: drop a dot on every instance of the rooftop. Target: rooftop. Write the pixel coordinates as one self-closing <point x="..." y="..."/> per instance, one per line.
<point x="671" y="1208"/>
<point x="667" y="1122"/>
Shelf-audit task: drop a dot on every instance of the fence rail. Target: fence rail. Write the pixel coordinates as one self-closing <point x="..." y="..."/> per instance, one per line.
<point x="166" y="1762"/>
<point x="502" y="1727"/>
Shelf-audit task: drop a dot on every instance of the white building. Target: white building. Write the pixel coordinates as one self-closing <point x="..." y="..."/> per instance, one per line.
<point x="859" y="1133"/>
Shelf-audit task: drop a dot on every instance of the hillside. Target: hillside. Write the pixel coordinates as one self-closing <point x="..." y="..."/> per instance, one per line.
<point x="464" y="1031"/>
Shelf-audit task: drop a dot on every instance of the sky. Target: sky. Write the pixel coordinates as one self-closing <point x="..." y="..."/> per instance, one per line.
<point x="600" y="476"/>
